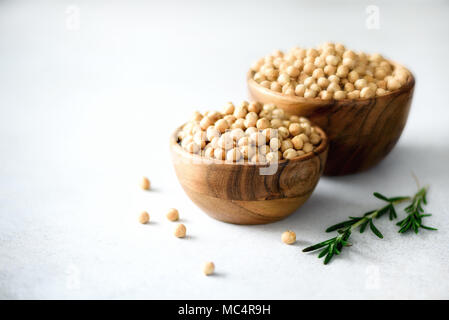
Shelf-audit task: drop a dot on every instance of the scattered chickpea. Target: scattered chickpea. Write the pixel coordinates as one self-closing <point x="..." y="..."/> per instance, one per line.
<point x="208" y="268"/>
<point x="288" y="237"/>
<point x="180" y="231"/>
<point x="144" y="217"/>
<point x="172" y="214"/>
<point x="145" y="183"/>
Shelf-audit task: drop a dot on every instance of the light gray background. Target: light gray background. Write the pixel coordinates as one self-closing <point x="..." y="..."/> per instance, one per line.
<point x="86" y="110"/>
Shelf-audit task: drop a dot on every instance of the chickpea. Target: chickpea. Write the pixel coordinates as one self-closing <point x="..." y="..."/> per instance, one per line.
<point x="367" y="92"/>
<point x="349" y="87"/>
<point x="393" y="84"/>
<point x="255" y="107"/>
<point x="192" y="147"/>
<point x="229" y="108"/>
<point x="288" y="89"/>
<point x="206" y="122"/>
<point x="269" y="133"/>
<point x="318" y="73"/>
<point x="271" y="74"/>
<point x="145" y="183"/>
<point x="308" y="147"/>
<point x="382" y="84"/>
<point x="349" y="54"/>
<point x="288" y="237"/>
<point x="250" y="130"/>
<point x="237" y="134"/>
<point x="226" y="141"/>
<point x="197" y="116"/>
<point x="353" y="76"/>
<point x="300" y="90"/>
<point x="257" y="138"/>
<point x="266" y="84"/>
<point x="262" y="123"/>
<point x="304" y="136"/>
<point x="247" y="151"/>
<point x="230" y="119"/>
<point x="180" y="231"/>
<point x="315" y="138"/>
<point x="219" y="154"/>
<point x="323" y="82"/>
<point x="355" y="94"/>
<point x="298" y="142"/>
<point x="172" y="214"/>
<point x="249" y="123"/>
<point x="283" y="132"/>
<point x="238" y="124"/>
<point x="380" y="73"/>
<point x="259" y="77"/>
<point x="295" y="129"/>
<point x="319" y="62"/>
<point x="286" y="144"/>
<point x="209" y="152"/>
<point x="240" y="112"/>
<point x="244" y="141"/>
<point x="293" y="71"/>
<point x="310" y="93"/>
<point x="380" y="92"/>
<point x="144" y="217"/>
<point x="233" y="155"/>
<point x="349" y="63"/>
<point x="330" y="70"/>
<point x="326" y="95"/>
<point x="334" y="78"/>
<point x="339" y="95"/>
<point x="275" y="143"/>
<point x="208" y="268"/>
<point x="308" y="68"/>
<point x="273" y="156"/>
<point x="200" y="139"/>
<point x="289" y="154"/>
<point x="360" y="84"/>
<point x="264" y="149"/>
<point x="283" y="79"/>
<point x="332" y="60"/>
<point x="342" y="71"/>
<point x="333" y="87"/>
<point x="258" y="158"/>
<point x="276" y="86"/>
<point x="276" y="123"/>
<point x="221" y="125"/>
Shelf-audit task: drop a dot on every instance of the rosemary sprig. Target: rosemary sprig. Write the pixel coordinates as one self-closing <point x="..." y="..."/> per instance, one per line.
<point x="415" y="212"/>
<point x="334" y="246"/>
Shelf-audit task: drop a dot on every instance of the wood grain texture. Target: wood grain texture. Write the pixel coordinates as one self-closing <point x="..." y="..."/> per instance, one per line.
<point x="238" y="192"/>
<point x="361" y="132"/>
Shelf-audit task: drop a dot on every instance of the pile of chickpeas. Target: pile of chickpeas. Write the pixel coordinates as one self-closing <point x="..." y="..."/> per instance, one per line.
<point x="329" y="72"/>
<point x="249" y="132"/>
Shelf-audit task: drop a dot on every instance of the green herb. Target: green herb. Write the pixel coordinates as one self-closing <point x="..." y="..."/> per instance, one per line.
<point x="335" y="245"/>
<point x="415" y="211"/>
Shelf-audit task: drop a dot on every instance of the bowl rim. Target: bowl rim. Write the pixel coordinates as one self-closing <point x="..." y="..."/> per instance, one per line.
<point x="320" y="102"/>
<point x="322" y="147"/>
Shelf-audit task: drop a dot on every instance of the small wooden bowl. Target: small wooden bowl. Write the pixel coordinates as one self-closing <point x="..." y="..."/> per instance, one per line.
<point x="238" y="193"/>
<point x="361" y="132"/>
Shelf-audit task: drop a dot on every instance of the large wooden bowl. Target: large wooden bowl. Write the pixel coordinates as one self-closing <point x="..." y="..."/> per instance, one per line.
<point x="238" y="193"/>
<point x="361" y="132"/>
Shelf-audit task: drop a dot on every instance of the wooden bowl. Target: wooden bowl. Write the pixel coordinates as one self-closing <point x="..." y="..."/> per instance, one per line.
<point x="361" y="132"/>
<point x="238" y="192"/>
